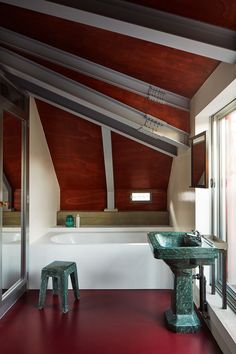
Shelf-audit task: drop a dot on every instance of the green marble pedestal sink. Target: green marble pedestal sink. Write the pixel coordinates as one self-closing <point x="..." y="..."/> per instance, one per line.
<point x="182" y="253"/>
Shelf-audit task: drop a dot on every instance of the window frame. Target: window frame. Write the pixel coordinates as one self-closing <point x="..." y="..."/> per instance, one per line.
<point x="218" y="222"/>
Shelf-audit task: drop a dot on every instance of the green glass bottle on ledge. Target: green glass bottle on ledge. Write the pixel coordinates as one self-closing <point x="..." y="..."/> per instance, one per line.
<point x="70" y="221"/>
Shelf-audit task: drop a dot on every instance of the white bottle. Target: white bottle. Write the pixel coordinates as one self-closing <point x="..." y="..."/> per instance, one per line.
<point x="77" y="220"/>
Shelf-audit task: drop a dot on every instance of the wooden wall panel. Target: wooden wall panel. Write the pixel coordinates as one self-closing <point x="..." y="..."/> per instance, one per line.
<point x="171" y="69"/>
<point x="217" y="12"/>
<point x="77" y="153"/>
<point x="12" y="131"/>
<point x="158" y="203"/>
<point x="79" y="199"/>
<point x="137" y="167"/>
<point x="173" y="116"/>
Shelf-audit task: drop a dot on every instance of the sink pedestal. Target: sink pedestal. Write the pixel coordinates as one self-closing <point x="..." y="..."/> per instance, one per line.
<point x="182" y="252"/>
<point x="181" y="317"/>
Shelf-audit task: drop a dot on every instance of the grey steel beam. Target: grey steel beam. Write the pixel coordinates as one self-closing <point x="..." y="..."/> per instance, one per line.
<point x="68" y="104"/>
<point x="144" y="23"/>
<point x="116" y="110"/>
<point x="84" y="66"/>
<point x="109" y="172"/>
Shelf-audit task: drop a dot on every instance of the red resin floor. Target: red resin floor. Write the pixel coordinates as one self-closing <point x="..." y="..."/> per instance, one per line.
<point x="102" y="322"/>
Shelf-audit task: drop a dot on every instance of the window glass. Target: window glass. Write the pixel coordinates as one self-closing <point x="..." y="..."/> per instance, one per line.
<point x="141" y="197"/>
<point x="230" y="194"/>
<point x="224" y="193"/>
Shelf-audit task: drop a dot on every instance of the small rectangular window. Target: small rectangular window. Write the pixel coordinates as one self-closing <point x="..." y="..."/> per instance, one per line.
<point x="140" y="196"/>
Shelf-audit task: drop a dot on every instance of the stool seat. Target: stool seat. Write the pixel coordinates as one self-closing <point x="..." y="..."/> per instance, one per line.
<point x="59" y="271"/>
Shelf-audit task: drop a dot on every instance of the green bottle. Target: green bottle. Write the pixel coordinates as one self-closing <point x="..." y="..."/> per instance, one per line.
<point x="70" y="221"/>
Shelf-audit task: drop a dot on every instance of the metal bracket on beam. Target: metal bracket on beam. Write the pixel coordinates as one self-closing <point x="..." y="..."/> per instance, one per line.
<point x="157" y="127"/>
<point x="156" y="94"/>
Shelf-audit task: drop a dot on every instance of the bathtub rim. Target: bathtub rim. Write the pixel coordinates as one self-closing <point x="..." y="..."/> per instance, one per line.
<point x="110" y="228"/>
<point x="85" y="239"/>
<point x="44" y="239"/>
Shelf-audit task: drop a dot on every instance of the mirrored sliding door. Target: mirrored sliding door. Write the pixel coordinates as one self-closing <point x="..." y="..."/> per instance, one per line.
<point x="13" y="193"/>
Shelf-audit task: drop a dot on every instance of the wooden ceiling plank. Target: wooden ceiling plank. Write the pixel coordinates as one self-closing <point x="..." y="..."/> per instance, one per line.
<point x="149" y="24"/>
<point x="92" y="69"/>
<point x="171" y="69"/>
<point x="175" y="117"/>
<point x="91" y="99"/>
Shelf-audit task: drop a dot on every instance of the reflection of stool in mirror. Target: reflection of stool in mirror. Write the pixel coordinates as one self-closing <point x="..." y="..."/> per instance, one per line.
<point x="59" y="271"/>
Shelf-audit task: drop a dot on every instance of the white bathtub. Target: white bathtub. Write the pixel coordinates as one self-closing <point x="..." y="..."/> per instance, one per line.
<point x="10" y="237"/>
<point x="83" y="238"/>
<point x="107" y="258"/>
<point x="11" y="256"/>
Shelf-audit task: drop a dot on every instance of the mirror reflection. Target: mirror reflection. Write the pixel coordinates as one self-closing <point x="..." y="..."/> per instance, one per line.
<point x="12" y="175"/>
<point x="199" y="161"/>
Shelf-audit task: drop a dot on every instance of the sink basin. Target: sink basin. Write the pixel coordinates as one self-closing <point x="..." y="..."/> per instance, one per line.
<point x="182" y="252"/>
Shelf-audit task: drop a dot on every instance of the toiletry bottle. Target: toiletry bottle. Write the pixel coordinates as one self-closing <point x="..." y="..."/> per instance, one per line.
<point x="77" y="220"/>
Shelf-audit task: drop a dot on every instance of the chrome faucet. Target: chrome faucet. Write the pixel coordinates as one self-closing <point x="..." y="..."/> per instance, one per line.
<point x="196" y="234"/>
<point x="192" y="238"/>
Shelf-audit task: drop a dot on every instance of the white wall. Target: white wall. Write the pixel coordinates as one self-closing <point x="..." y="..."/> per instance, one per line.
<point x="43" y="184"/>
<point x="180" y="198"/>
<point x="217" y="92"/>
<point x="190" y="208"/>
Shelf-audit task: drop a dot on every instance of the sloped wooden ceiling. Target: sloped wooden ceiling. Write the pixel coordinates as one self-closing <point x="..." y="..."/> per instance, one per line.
<point x="216" y="12"/>
<point x="171" y="69"/>
<point x="76" y="144"/>
<point x="137" y="167"/>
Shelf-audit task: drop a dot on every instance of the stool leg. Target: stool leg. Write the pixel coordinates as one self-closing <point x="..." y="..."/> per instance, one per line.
<point x="55" y="285"/>
<point x="64" y="292"/>
<point x="75" y="284"/>
<point x="42" y="292"/>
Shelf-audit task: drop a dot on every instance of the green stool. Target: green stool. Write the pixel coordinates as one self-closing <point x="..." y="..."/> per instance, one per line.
<point x="59" y="271"/>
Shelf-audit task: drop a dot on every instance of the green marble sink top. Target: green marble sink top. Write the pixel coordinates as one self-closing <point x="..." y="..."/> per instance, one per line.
<point x="178" y="246"/>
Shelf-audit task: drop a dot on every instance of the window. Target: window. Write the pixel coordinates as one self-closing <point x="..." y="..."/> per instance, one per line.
<point x="224" y="191"/>
<point x="140" y="196"/>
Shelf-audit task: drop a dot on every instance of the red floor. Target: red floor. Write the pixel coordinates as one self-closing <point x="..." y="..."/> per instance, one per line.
<point x="102" y="322"/>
